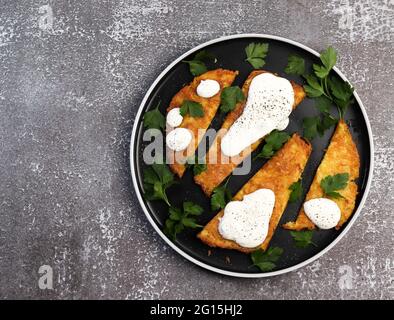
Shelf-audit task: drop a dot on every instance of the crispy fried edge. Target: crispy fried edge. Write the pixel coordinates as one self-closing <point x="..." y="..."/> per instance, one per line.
<point x="277" y="174"/>
<point x="197" y="125"/>
<point x="218" y="171"/>
<point x="341" y="156"/>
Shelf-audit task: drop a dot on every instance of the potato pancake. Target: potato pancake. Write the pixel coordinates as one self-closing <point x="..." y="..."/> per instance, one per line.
<point x="341" y="157"/>
<point x="197" y="125"/>
<point x="277" y="174"/>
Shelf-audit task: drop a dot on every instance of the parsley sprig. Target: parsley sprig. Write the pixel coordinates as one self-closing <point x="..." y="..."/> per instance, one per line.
<point x="331" y="184"/>
<point x="256" y="53"/>
<point x="342" y="94"/>
<point x="273" y="142"/>
<point x="157" y="179"/>
<point x="229" y="97"/>
<point x="179" y="219"/>
<point x="154" y="119"/>
<point x="265" y="260"/>
<point x="194" y="109"/>
<point x="302" y="239"/>
<point x="295" y="65"/>
<point x="327" y="89"/>
<point x="220" y="196"/>
<point x="197" y="65"/>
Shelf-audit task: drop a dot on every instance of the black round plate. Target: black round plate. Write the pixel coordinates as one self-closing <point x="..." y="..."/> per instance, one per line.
<point x="230" y="53"/>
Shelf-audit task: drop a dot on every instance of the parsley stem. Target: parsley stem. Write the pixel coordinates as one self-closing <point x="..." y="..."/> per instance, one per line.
<point x="328" y="95"/>
<point x="325" y="85"/>
<point x="228" y="179"/>
<point x="166" y="199"/>
<point x="325" y="91"/>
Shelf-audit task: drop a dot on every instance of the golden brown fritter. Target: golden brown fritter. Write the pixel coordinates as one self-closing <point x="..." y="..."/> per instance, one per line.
<point x="198" y="124"/>
<point x="341" y="157"/>
<point x="278" y="174"/>
<point x="220" y="166"/>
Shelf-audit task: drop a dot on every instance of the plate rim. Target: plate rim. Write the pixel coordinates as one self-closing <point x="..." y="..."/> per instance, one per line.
<point x="179" y="250"/>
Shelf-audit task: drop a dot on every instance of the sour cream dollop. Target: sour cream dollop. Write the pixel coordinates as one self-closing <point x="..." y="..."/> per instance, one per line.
<point x="269" y="104"/>
<point x="323" y="212"/>
<point x="283" y="124"/>
<point x="246" y="222"/>
<point x="178" y="139"/>
<point x="208" y="88"/>
<point x="174" y="117"/>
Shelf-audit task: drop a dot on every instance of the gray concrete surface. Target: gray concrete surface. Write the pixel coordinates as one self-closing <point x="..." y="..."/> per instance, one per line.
<point x="72" y="74"/>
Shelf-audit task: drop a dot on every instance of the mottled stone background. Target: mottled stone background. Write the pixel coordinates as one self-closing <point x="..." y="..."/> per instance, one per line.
<point x="72" y="74"/>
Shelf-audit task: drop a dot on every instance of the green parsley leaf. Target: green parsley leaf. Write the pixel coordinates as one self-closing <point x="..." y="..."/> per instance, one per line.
<point x="265" y="260"/>
<point x="162" y="171"/>
<point x="191" y="223"/>
<point x="310" y="126"/>
<point x="220" y="197"/>
<point x="312" y="92"/>
<point x="169" y="227"/>
<point x="331" y="184"/>
<point x="255" y="54"/>
<point x="197" y="65"/>
<point x="273" y="142"/>
<point x="342" y="92"/>
<point x="296" y="191"/>
<point x="175" y="214"/>
<point x="192" y="208"/>
<point x="180" y="218"/>
<point x="230" y="96"/>
<point x="340" y="89"/>
<point x="277" y="139"/>
<point x="157" y="179"/>
<point x="191" y="107"/>
<point x="343" y="105"/>
<point x="314" y="126"/>
<point x="313" y="89"/>
<point x="154" y="119"/>
<point x="203" y="55"/>
<point x="150" y="176"/>
<point x="323" y="104"/>
<point x="320" y="71"/>
<point x="302" y="239"/>
<point x="295" y="65"/>
<point x="329" y="58"/>
<point x="326" y="122"/>
<point x="266" y="152"/>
